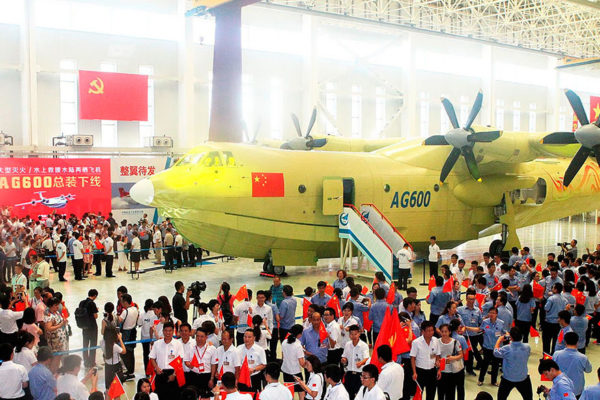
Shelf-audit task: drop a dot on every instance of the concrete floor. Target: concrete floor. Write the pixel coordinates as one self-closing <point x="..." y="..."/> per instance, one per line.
<point x="540" y="238"/>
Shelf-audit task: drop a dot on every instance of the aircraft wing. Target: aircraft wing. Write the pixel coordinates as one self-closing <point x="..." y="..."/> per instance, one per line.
<point x="29" y="203"/>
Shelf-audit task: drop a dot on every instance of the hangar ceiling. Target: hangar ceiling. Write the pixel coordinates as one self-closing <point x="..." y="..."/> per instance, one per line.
<point x="567" y="28"/>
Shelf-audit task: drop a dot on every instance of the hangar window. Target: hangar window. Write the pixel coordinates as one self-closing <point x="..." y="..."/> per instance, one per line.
<point x="379" y="110"/>
<point x="500" y="114"/>
<point x="68" y="97"/>
<point x="532" y="117"/>
<point x="356" y="111"/>
<point x="331" y="104"/>
<point x="424" y="114"/>
<point x="276" y="110"/>
<point x="444" y="120"/>
<point x="516" y="116"/>
<point x="147" y="127"/>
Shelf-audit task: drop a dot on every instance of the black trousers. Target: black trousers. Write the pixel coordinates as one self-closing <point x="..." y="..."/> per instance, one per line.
<point x="427" y="379"/>
<point x="90" y="339"/>
<point x="476" y="346"/>
<point x="524" y="387"/>
<point x="164" y="388"/>
<point x="62" y="268"/>
<point x="256" y="381"/>
<point x="98" y="264"/>
<point x="434" y="318"/>
<point x="178" y="251"/>
<point x="109" y="265"/>
<point x="433" y="268"/>
<point x="110" y="370"/>
<point x="334" y="356"/>
<point x="186" y="257"/>
<point x="169" y="255"/>
<point x="52" y="260"/>
<point x="524" y="327"/>
<point x="410" y="386"/>
<point x="448" y="386"/>
<point x="78" y="269"/>
<point x="146" y="353"/>
<point x="129" y="360"/>
<point x="282" y="334"/>
<point x="549" y="336"/>
<point x="273" y="344"/>
<point x="352" y="383"/>
<point x="403" y="278"/>
<point x="488" y="358"/>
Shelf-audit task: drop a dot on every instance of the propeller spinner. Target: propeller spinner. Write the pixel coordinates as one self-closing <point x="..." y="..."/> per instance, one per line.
<point x="304" y="142"/>
<point x="462" y="139"/>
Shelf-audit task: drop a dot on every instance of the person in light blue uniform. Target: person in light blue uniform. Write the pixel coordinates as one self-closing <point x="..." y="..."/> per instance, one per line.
<point x="448" y="315"/>
<point x="377" y="311"/>
<point x="321" y="298"/>
<point x="564" y="320"/>
<point x="340" y="282"/>
<point x="437" y="299"/>
<point x="562" y="385"/>
<point x="550" y="281"/>
<point x="472" y="318"/>
<point x="287" y="312"/>
<point x="550" y="326"/>
<point x="592" y="392"/>
<point x="492" y="328"/>
<point x="514" y="365"/>
<point x="579" y="324"/>
<point x="572" y="363"/>
<point x="525" y="308"/>
<point x="504" y="313"/>
<point x="311" y="340"/>
<point x="359" y="307"/>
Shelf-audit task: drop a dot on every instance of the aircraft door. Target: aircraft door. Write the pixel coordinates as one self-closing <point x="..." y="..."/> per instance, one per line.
<point x="333" y="196"/>
<point x="348" y="191"/>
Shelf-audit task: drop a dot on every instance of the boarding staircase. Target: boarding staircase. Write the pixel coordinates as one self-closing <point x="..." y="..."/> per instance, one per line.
<point x="372" y="234"/>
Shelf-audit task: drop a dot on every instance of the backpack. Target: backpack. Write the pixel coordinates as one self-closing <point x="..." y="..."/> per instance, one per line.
<point x="82" y="316"/>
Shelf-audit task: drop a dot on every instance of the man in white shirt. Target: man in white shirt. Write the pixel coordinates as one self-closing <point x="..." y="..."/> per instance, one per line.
<point x="240" y="316"/>
<point x="228" y="385"/>
<point x="263" y="309"/>
<point x="354" y="357"/>
<point x="48" y="246"/>
<point x="334" y="333"/>
<point x="13" y="376"/>
<point x="227" y="358"/>
<point x="10" y="250"/>
<point x="109" y="253"/>
<point x="41" y="273"/>
<point x="274" y="390"/>
<point x="163" y="352"/>
<point x="425" y="358"/>
<point x="157" y="242"/>
<point x="391" y="378"/>
<point x="370" y="390"/>
<point x="61" y="258"/>
<point x="200" y="360"/>
<point x="405" y="257"/>
<point x="179" y="249"/>
<point x="335" y="390"/>
<point x="257" y="361"/>
<point x="78" y="258"/>
<point x="434" y="256"/>
<point x="128" y="318"/>
<point x="185" y="333"/>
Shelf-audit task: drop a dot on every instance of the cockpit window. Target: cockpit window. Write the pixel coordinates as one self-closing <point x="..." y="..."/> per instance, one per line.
<point x="191" y="159"/>
<point x="210" y="159"/>
<point x="228" y="159"/>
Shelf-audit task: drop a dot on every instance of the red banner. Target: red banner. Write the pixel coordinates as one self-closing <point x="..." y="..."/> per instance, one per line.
<point x="594" y="108"/>
<point x="40" y="186"/>
<point x="113" y="96"/>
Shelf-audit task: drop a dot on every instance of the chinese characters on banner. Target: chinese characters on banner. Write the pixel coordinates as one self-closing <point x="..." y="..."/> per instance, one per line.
<point x="39" y="186"/>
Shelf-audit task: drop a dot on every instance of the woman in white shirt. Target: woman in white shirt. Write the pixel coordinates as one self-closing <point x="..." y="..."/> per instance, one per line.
<point x="24" y="354"/>
<point x="121" y="256"/>
<point x="261" y="332"/>
<point x="144" y="386"/>
<point x="68" y="381"/>
<point x="293" y="358"/>
<point x="112" y="345"/>
<point x="316" y="381"/>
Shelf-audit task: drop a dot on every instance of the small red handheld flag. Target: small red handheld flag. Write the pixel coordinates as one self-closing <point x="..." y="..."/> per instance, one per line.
<point x="245" y="374"/>
<point x="290" y="386"/>
<point x="419" y="393"/>
<point x="249" y="320"/>
<point x="431" y="284"/>
<point x="533" y="332"/>
<point x="364" y="290"/>
<point x="329" y="290"/>
<point x="242" y="293"/>
<point x="322" y="332"/>
<point x="442" y="364"/>
<point x="335" y="304"/>
<point x="497" y="287"/>
<point x="466" y="283"/>
<point x="305" y="304"/>
<point x="561" y="336"/>
<point x="116" y="388"/>
<point x="177" y="365"/>
<point x="194" y="363"/>
<point x="545" y="356"/>
<point x="538" y="290"/>
<point x="149" y="368"/>
<point x="448" y="286"/>
<point x="391" y="295"/>
<point x="480" y="297"/>
<point x="221" y="372"/>
<point x="367" y="323"/>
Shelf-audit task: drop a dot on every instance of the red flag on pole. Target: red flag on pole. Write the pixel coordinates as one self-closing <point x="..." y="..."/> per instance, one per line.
<point x="498" y="286"/>
<point x="419" y="393"/>
<point x="364" y="290"/>
<point x="442" y="364"/>
<point x="431" y="283"/>
<point x="545" y="356"/>
<point x="305" y="304"/>
<point x="329" y="290"/>
<point x="149" y="368"/>
<point x="177" y="365"/>
<point x="468" y="349"/>
<point x="533" y="332"/>
<point x="116" y="388"/>
<point x="448" y="286"/>
<point x="335" y="304"/>
<point x="367" y="323"/>
<point x="561" y="336"/>
<point x="579" y="296"/>
<point x="466" y="283"/>
<point x="322" y="332"/>
<point x="290" y="386"/>
<point x="249" y="320"/>
<point x="153" y="381"/>
<point x="391" y="295"/>
<point x="242" y="293"/>
<point x="392" y="334"/>
<point x="245" y="373"/>
<point x="538" y="290"/>
<point x="194" y="363"/>
<point x="480" y="297"/>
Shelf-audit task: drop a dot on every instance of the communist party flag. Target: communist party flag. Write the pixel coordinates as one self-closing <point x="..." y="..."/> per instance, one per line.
<point x="245" y="373"/>
<point x="448" y="286"/>
<point x="392" y="334"/>
<point x="113" y="96"/>
<point x="431" y="283"/>
<point x="594" y="108"/>
<point x="538" y="290"/>
<point x="116" y="388"/>
<point x="305" y="304"/>
<point x="177" y="365"/>
<point x="267" y="184"/>
<point x="391" y="296"/>
<point x="545" y="356"/>
<point x="242" y="293"/>
<point x="322" y="332"/>
<point x="329" y="290"/>
<point x="335" y="304"/>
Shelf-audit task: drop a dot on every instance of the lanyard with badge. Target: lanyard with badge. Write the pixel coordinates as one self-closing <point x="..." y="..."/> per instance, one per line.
<point x="201" y="358"/>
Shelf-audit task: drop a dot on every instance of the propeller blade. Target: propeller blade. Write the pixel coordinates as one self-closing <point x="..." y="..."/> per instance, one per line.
<point x="450" y="111"/>
<point x="435" y="140"/>
<point x="559" y="138"/>
<point x="317" y="143"/>
<point x="313" y="118"/>
<point x="297" y="124"/>
<point x="483" y="137"/>
<point x="575" y="165"/>
<point x="474" y="110"/>
<point x="449" y="164"/>
<point x="577" y="107"/>
<point x="467" y="153"/>
<point x="596" y="149"/>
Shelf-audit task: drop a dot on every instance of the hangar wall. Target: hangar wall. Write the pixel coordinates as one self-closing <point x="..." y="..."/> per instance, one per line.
<point x="350" y="68"/>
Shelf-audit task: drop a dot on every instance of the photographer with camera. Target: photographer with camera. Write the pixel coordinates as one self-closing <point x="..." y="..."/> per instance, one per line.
<point x="514" y="355"/>
<point x="181" y="305"/>
<point x="562" y="386"/>
<point x="572" y="249"/>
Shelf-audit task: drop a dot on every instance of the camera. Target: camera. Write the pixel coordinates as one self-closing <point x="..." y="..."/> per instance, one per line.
<point x="563" y="244"/>
<point x="541" y="390"/>
<point x="196" y="288"/>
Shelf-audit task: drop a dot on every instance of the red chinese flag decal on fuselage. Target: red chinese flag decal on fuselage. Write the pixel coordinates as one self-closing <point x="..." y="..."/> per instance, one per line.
<point x="267" y="184"/>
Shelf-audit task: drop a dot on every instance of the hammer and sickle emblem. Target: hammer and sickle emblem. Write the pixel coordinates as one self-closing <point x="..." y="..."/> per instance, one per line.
<point x="96" y="86"/>
<point x="392" y="340"/>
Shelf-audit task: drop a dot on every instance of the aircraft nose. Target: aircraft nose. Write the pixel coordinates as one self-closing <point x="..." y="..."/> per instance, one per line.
<point x="143" y="192"/>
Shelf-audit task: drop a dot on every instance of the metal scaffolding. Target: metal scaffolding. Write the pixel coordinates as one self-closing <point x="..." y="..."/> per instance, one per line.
<point x="567" y="28"/>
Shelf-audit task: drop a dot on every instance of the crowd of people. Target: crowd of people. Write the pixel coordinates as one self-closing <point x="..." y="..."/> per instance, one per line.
<point x="324" y="343"/>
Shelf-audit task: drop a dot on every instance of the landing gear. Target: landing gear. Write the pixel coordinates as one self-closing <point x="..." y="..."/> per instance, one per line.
<point x="279" y="269"/>
<point x="496" y="247"/>
<point x="269" y="268"/>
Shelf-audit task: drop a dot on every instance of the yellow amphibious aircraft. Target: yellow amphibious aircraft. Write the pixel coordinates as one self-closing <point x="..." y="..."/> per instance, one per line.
<point x="283" y="206"/>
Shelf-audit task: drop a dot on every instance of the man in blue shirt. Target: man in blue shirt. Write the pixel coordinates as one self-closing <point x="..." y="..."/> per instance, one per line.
<point x="359" y="307"/>
<point x="592" y="392"/>
<point x="504" y="313"/>
<point x="287" y="312"/>
<point x="321" y="298"/>
<point x="564" y="320"/>
<point x="377" y="311"/>
<point x="437" y="299"/>
<point x="562" y="386"/>
<point x="41" y="379"/>
<point x="311" y="340"/>
<point x="514" y="365"/>
<point x="579" y="324"/>
<point x="573" y="363"/>
<point x="550" y="327"/>
<point x="277" y="290"/>
<point x="472" y="318"/>
<point x="492" y="328"/>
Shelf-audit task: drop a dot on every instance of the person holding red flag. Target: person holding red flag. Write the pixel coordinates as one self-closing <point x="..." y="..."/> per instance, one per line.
<point x="424" y="358"/>
<point x="254" y="360"/>
<point x="377" y="311"/>
<point x="200" y="359"/>
<point x="163" y="353"/>
<point x="242" y="313"/>
<point x="437" y="299"/>
<point x="229" y="387"/>
<point x="315" y="338"/>
<point x="227" y="358"/>
<point x="334" y="336"/>
<point x="525" y="308"/>
<point x="321" y="298"/>
<point x="354" y="357"/>
<point x="564" y="320"/>
<point x="472" y="318"/>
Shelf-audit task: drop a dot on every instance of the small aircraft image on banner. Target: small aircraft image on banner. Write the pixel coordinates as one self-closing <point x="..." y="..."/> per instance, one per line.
<point x="51" y="202"/>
